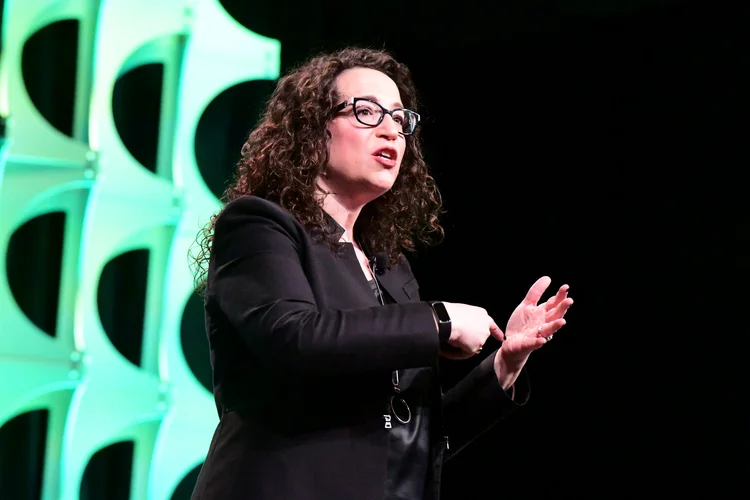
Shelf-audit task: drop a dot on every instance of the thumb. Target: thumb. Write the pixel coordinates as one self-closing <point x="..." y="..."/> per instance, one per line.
<point x="537" y="290"/>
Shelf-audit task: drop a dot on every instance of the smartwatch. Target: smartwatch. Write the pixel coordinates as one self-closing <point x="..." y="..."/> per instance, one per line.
<point x="444" y="321"/>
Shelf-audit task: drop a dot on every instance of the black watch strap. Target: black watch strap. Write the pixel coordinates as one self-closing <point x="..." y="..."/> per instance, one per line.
<point x="444" y="321"/>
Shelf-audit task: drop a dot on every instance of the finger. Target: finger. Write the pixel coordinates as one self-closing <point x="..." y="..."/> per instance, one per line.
<point x="496" y="332"/>
<point x="553" y="301"/>
<point x="548" y="329"/>
<point x="536" y="290"/>
<point x="559" y="311"/>
<point x="524" y="345"/>
<point x="561" y="294"/>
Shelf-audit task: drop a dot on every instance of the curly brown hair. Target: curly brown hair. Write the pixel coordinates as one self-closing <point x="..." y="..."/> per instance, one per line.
<point x="286" y="152"/>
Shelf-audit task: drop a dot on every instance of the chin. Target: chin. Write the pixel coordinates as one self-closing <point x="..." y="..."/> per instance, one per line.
<point x="380" y="188"/>
<point x="375" y="186"/>
<point x="373" y="191"/>
<point x="386" y="179"/>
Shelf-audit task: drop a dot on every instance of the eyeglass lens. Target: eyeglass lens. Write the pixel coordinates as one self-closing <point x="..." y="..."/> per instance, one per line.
<point x="369" y="113"/>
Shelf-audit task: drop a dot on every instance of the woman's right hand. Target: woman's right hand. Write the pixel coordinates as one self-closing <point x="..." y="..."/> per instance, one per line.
<point x="470" y="328"/>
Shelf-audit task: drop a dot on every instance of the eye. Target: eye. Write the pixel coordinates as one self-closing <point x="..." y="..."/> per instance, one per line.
<point x="367" y="108"/>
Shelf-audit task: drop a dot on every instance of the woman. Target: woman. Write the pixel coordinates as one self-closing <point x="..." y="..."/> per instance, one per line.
<point x="325" y="358"/>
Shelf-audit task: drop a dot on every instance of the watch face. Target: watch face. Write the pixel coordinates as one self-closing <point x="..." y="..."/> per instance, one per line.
<point x="441" y="312"/>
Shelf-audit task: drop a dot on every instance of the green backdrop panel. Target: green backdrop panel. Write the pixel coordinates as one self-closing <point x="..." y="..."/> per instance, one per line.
<point x="95" y="397"/>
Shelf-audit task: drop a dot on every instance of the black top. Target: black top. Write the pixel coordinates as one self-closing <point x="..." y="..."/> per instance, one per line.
<point x="408" y="440"/>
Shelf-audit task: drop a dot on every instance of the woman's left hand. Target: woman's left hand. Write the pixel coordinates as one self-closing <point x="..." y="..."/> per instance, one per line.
<point x="531" y="325"/>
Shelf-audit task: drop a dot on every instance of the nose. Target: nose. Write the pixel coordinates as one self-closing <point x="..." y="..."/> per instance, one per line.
<point x="388" y="128"/>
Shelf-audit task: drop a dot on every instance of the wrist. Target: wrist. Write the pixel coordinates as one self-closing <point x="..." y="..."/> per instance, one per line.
<point x="443" y="321"/>
<point x="507" y="370"/>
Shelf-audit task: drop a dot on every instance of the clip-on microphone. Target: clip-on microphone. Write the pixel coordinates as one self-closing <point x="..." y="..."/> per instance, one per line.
<point x="379" y="263"/>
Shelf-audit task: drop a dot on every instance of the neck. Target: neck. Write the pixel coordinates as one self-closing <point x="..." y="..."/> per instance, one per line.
<point x="343" y="209"/>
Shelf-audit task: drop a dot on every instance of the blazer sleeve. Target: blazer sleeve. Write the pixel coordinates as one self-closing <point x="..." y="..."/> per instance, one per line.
<point x="478" y="402"/>
<point x="257" y="281"/>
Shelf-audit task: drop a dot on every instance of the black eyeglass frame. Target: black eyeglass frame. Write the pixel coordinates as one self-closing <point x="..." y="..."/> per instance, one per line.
<point x="354" y="100"/>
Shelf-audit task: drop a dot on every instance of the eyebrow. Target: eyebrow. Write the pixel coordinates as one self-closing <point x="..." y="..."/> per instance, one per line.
<point x="396" y="104"/>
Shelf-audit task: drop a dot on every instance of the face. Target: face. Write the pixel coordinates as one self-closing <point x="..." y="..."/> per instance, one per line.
<point x="364" y="161"/>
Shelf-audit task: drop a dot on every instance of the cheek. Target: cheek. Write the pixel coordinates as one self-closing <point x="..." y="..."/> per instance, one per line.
<point x="344" y="142"/>
<point x="402" y="152"/>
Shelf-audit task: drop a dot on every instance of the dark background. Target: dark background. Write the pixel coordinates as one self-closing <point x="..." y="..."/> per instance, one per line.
<point x="594" y="142"/>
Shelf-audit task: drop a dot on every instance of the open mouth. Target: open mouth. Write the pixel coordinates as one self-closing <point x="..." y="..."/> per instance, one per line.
<point x="387" y="154"/>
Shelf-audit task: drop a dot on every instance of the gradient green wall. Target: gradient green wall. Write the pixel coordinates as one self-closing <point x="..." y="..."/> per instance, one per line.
<point x="113" y="205"/>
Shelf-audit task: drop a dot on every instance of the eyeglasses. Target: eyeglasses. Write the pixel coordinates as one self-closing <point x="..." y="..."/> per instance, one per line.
<point x="370" y="113"/>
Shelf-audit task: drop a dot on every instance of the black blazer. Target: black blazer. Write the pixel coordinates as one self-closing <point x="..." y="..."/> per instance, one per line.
<point x="302" y="355"/>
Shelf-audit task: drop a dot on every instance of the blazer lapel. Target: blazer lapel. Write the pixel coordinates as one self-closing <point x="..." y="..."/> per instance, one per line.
<point x="401" y="286"/>
<point x="397" y="281"/>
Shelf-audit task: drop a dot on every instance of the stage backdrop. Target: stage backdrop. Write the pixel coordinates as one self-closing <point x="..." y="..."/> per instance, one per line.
<point x="104" y="372"/>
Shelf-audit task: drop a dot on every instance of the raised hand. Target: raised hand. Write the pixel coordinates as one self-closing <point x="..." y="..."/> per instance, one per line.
<point x="531" y="325"/>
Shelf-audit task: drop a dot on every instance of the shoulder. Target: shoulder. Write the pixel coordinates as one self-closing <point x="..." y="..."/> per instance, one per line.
<point x="250" y="213"/>
<point x="249" y="224"/>
<point x="249" y="207"/>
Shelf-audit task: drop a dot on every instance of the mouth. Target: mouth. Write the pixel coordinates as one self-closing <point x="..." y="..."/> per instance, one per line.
<point x="386" y="156"/>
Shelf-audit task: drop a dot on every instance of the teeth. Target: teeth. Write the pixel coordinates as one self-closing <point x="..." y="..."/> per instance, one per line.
<point x="385" y="154"/>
